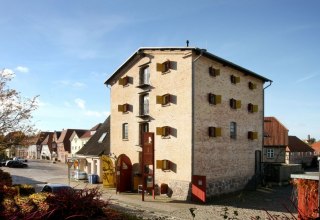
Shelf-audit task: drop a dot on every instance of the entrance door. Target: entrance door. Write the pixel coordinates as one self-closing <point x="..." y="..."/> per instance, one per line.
<point x="124" y="173"/>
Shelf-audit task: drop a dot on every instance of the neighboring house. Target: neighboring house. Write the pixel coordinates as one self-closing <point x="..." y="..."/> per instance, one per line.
<point x="275" y="141"/>
<point x="90" y="154"/>
<point x="298" y="152"/>
<point x="78" y="142"/>
<point x="34" y="149"/>
<point x="46" y="147"/>
<point x="316" y="147"/>
<point x="64" y="144"/>
<point x="206" y="114"/>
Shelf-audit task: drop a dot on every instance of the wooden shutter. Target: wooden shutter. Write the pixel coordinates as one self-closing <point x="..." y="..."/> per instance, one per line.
<point x="166" y="164"/>
<point x="213" y="71"/>
<point x="121" y="81"/>
<point x="166" y="131"/>
<point x="159" y="130"/>
<point x="218" y="99"/>
<point x="125" y="107"/>
<point x="120" y="108"/>
<point x="237" y="79"/>
<point x="160" y="67"/>
<point x="254" y="135"/>
<point x="217" y="132"/>
<point x="255" y="108"/>
<point x="166" y="66"/>
<point x="159" y="99"/>
<point x="238" y="104"/>
<point x="159" y="164"/>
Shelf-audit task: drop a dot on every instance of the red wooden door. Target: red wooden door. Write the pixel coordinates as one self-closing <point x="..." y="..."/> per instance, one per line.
<point x="124" y="173"/>
<point x="199" y="188"/>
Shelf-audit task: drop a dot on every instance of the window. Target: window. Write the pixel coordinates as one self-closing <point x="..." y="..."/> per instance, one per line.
<point x="164" y="99"/>
<point x="125" y="131"/>
<point x="252" y="85"/>
<point x="233" y="130"/>
<point x="144" y="76"/>
<point x="164" y="67"/>
<point x="214" y="99"/>
<point x="213" y="71"/>
<point x="235" y="104"/>
<point x="234" y="79"/>
<point x="144" y="104"/>
<point x="252" y="108"/>
<point x="214" y="132"/>
<point x="270" y="153"/>
<point x="102" y="137"/>
<point x="163" y="131"/>
<point x="163" y="164"/>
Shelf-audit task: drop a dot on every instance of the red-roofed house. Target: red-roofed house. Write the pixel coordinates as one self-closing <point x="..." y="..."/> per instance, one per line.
<point x="316" y="147"/>
<point x="275" y="140"/>
<point x="298" y="152"/>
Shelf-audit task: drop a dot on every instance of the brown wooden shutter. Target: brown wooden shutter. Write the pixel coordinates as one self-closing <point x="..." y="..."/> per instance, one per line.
<point x="238" y="104"/>
<point x="160" y="67"/>
<point x="166" y="131"/>
<point x="217" y="72"/>
<point x="125" y="107"/>
<point x="218" y="99"/>
<point x="237" y="79"/>
<point x="121" y="81"/>
<point x="255" y="135"/>
<point x="166" y="164"/>
<point x="159" y="130"/>
<point x="218" y="132"/>
<point x="255" y="108"/>
<point x="125" y="80"/>
<point x="120" y="108"/>
<point x="159" y="99"/>
<point x="159" y="164"/>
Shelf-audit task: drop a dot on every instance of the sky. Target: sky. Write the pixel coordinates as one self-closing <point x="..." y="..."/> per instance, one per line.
<point x="64" y="51"/>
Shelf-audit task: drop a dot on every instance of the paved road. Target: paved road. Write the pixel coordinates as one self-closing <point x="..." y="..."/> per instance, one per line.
<point x="247" y="204"/>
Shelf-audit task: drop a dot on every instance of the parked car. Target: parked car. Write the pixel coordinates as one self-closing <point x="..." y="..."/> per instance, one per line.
<point x="16" y="164"/>
<point x="56" y="188"/>
<point x="20" y="159"/>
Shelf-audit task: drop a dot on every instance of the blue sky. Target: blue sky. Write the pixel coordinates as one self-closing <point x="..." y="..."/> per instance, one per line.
<point x="65" y="50"/>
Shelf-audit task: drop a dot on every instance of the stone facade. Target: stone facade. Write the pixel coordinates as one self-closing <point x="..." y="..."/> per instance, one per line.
<point x="188" y="148"/>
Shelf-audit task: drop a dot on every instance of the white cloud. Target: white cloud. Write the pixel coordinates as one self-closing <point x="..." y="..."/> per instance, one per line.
<point x="80" y="103"/>
<point x="78" y="84"/>
<point x="22" y="69"/>
<point x="96" y="113"/>
<point x="71" y="84"/>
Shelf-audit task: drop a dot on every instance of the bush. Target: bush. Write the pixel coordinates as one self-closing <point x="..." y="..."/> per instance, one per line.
<point x="5" y="178"/>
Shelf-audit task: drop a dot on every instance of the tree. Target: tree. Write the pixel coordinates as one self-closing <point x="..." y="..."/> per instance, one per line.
<point x="15" y="113"/>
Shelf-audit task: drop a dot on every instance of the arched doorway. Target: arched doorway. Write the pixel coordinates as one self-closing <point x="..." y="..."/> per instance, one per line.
<point x="124" y="173"/>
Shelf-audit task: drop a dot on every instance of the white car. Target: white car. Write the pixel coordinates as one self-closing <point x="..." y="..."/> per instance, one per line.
<point x="20" y="159"/>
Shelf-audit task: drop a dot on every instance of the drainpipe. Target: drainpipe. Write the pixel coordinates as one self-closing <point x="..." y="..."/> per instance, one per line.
<point x="262" y="173"/>
<point x="192" y="110"/>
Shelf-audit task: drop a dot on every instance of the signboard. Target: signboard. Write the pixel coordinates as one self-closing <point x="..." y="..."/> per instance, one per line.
<point x="147" y="162"/>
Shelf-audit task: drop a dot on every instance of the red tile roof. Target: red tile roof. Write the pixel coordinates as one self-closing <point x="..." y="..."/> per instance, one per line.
<point x="316" y="146"/>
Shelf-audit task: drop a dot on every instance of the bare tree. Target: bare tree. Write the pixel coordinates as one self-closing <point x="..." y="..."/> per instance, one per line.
<point x="15" y="113"/>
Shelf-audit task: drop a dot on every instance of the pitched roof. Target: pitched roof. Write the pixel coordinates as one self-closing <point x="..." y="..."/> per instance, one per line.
<point x="316" y="146"/>
<point x="99" y="143"/>
<point x="140" y="53"/>
<point x="275" y="133"/>
<point x="297" y="145"/>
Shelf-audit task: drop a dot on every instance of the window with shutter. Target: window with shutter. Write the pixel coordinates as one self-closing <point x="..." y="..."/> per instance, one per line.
<point x="123" y="108"/>
<point x="233" y="103"/>
<point x="214" y="72"/>
<point x="163" y="164"/>
<point x="214" y="132"/>
<point x="234" y="79"/>
<point x="125" y="131"/>
<point x="144" y="76"/>
<point x="164" y="99"/>
<point x="252" y="108"/>
<point x="164" y="67"/>
<point x="252" y="85"/>
<point x="124" y="81"/>
<point x="163" y="131"/>
<point x="214" y="99"/>
<point x="252" y="135"/>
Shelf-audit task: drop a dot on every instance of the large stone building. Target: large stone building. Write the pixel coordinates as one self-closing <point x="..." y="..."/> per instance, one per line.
<point x="206" y="114"/>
